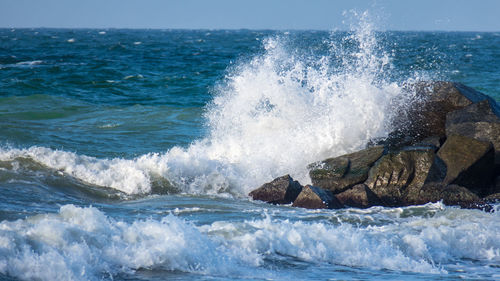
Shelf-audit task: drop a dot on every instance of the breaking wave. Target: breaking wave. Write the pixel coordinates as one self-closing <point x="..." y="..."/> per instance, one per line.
<point x="84" y="244"/>
<point x="270" y="116"/>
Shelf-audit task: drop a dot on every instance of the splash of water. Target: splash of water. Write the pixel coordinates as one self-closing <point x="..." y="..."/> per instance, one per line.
<point x="284" y="109"/>
<point x="270" y="116"/>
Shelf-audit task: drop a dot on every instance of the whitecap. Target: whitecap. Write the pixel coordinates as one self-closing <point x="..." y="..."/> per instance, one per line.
<point x="34" y="62"/>
<point x="84" y="244"/>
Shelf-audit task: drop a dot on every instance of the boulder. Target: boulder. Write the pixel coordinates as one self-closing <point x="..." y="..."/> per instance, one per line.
<point x="450" y="194"/>
<point x="434" y="142"/>
<point x="479" y="121"/>
<point x="426" y="116"/>
<point x="469" y="163"/>
<point x="398" y="176"/>
<point x="497" y="185"/>
<point x="282" y="190"/>
<point x="313" y="197"/>
<point x="340" y="173"/>
<point x="492" y="198"/>
<point x="359" y="196"/>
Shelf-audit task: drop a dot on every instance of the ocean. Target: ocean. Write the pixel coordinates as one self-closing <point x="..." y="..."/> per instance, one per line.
<point x="129" y="154"/>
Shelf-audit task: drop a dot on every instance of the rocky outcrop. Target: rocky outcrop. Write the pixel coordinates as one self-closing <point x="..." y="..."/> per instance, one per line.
<point x="450" y="194"/>
<point x="426" y="117"/>
<point x="480" y="121"/>
<point x="283" y="190"/>
<point x="340" y="173"/>
<point x="469" y="163"/>
<point x="400" y="175"/>
<point x="359" y="196"/>
<point x="313" y="197"/>
<point x="492" y="198"/>
<point x="445" y="147"/>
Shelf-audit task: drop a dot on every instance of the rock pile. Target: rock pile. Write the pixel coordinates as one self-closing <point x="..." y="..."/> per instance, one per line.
<point x="446" y="147"/>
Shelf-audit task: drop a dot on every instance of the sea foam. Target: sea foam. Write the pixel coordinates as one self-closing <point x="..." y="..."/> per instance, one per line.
<point x="84" y="244"/>
<point x="272" y="115"/>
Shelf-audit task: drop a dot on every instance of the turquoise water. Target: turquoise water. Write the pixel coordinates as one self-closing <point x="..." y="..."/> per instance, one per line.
<point x="128" y="154"/>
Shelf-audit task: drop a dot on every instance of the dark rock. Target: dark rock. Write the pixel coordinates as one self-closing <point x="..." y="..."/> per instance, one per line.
<point x="359" y="196"/>
<point x="492" y="198"/>
<point x="458" y="195"/>
<point x="480" y="205"/>
<point x="340" y="173"/>
<point x="398" y="176"/>
<point x="452" y="195"/>
<point x="434" y="142"/>
<point x="282" y="190"/>
<point x="313" y="197"/>
<point x="426" y="116"/>
<point x="469" y="163"/>
<point x="497" y="184"/>
<point x="451" y="94"/>
<point x="479" y="121"/>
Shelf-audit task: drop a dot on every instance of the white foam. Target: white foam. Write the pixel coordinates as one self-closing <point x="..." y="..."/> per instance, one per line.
<point x="29" y="63"/>
<point x="122" y="174"/>
<point x="84" y="244"/>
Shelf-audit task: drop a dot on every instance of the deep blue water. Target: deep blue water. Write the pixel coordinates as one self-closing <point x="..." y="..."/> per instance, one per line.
<point x="128" y="154"/>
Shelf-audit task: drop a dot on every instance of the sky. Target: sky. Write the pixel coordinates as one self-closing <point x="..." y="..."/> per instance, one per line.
<point x="448" y="15"/>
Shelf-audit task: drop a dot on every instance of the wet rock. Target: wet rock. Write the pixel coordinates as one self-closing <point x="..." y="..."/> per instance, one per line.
<point x="340" y="173"/>
<point x="492" y="198"/>
<point x="282" y="190"/>
<point x="313" y="197"/>
<point x="469" y="163"/>
<point x="398" y="176"/>
<point x="427" y="115"/>
<point x="452" y="94"/>
<point x="479" y="121"/>
<point x="497" y="184"/>
<point x="359" y="196"/>
<point x="433" y="142"/>
<point x="451" y="195"/>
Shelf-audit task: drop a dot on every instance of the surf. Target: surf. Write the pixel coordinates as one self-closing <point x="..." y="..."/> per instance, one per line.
<point x="270" y="115"/>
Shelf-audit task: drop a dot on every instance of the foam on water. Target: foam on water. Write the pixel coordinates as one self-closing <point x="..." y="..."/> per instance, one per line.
<point x="270" y="116"/>
<point x="84" y="244"/>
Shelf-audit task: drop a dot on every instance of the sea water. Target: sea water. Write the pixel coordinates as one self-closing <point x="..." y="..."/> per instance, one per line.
<point x="129" y="154"/>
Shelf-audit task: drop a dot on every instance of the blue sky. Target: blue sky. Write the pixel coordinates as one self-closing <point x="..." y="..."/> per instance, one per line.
<point x="460" y="15"/>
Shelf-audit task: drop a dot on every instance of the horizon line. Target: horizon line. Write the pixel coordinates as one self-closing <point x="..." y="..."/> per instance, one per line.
<point x="243" y="28"/>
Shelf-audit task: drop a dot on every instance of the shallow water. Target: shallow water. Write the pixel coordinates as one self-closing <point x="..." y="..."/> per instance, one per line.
<point x="128" y="154"/>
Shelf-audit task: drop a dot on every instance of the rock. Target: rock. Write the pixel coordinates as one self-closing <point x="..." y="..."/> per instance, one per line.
<point x="452" y="195"/>
<point x="359" y="196"/>
<point x="497" y="185"/>
<point x="451" y="94"/>
<point x="282" y="190"/>
<point x="398" y="176"/>
<point x="340" y="173"/>
<point x="492" y="198"/>
<point x="479" y="121"/>
<point x="469" y="163"/>
<point x="458" y="195"/>
<point x="426" y="116"/>
<point x="433" y="142"/>
<point x="313" y="197"/>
